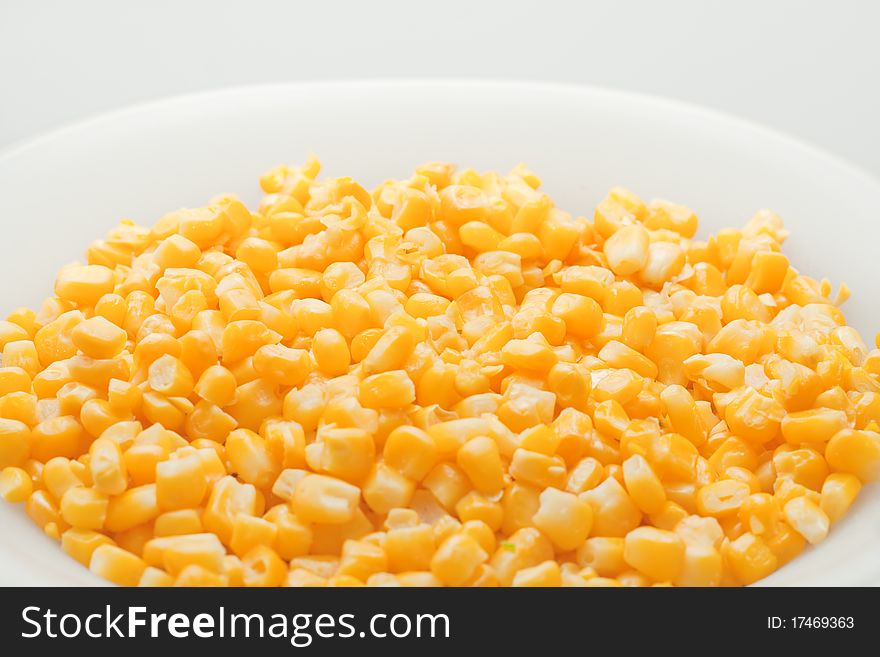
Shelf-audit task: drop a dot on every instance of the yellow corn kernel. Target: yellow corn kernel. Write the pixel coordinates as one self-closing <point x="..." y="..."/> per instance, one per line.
<point x="15" y="442"/>
<point x="784" y="542"/>
<point x="545" y="574"/>
<point x="540" y="438"/>
<point x="98" y="338"/>
<point x="282" y="365"/>
<point x="134" y="507"/>
<point x="759" y="514"/>
<point x="392" y="389"/>
<point x="856" y="452"/>
<point x="84" y="285"/>
<point x="643" y="485"/>
<point x="140" y="462"/>
<point x="722" y="498"/>
<point x="177" y="523"/>
<point x="457" y="559"/>
<point x="14" y="379"/>
<point x="750" y="558"/>
<point x="169" y="376"/>
<point x="385" y="489"/>
<point x="614" y="512"/>
<point x="24" y="318"/>
<point x="176" y="251"/>
<point x="665" y="260"/>
<point x="344" y="452"/>
<point x="807" y="519"/>
<point x="563" y="518"/>
<point x="448" y="483"/>
<point x="21" y="406"/>
<point x="254" y="402"/>
<point x="657" y="553"/>
<point x="817" y="425"/>
<point x="480" y="460"/>
<point x="390" y="351"/>
<point x="15" y="485"/>
<point x="176" y="553"/>
<point x="11" y="332"/>
<point x="248" y="532"/>
<point x="639" y="326"/>
<point x="529" y="355"/>
<point x="97" y="416"/>
<point x="839" y="491"/>
<point x="293" y="538"/>
<point x="768" y="271"/>
<point x="411" y="451"/>
<point x="361" y="559"/>
<point x="319" y="498"/>
<point x="669" y="515"/>
<point x="754" y="417"/>
<point x="155" y="577"/>
<point x="84" y="508"/>
<point x="305" y="406"/>
<point x="538" y="469"/>
<point x="662" y="214"/>
<point x="803" y="466"/>
<point x="618" y="355"/>
<point x="22" y="354"/>
<point x="585" y="475"/>
<point x="81" y="543"/>
<point x="217" y="385"/>
<point x="180" y="483"/>
<point x="627" y="250"/>
<point x="604" y="554"/>
<point x="331" y="352"/>
<point x="263" y="567"/>
<point x="703" y="566"/>
<point x="620" y="385"/>
<point x="59" y="475"/>
<point x="581" y="313"/>
<point x="117" y="565"/>
<point x="683" y="415"/>
<point x="59" y="436"/>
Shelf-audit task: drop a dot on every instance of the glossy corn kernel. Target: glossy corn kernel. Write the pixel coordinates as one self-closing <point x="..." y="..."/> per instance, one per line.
<point x="856" y="452"/>
<point x="15" y="485"/>
<point x="98" y="338"/>
<point x="84" y="285"/>
<point x="839" y="491"/>
<point x="807" y="519"/>
<point x="657" y="553"/>
<point x="564" y="518"/>
<point x="180" y="483"/>
<point x="457" y="559"/>
<point x="750" y="558"/>
<point x="614" y="511"/>
<point x="117" y="565"/>
<point x="643" y="485"/>
<point x="323" y="499"/>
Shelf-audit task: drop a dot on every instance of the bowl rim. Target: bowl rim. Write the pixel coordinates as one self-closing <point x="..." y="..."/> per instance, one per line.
<point x="712" y="114"/>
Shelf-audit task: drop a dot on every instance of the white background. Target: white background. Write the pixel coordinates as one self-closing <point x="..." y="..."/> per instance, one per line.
<point x="808" y="68"/>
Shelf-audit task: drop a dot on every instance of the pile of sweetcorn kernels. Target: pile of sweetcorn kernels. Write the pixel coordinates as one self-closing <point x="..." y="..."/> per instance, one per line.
<point x="445" y="381"/>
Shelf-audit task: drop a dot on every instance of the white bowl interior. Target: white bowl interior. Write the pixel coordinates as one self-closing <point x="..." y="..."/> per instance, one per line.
<point x="68" y="188"/>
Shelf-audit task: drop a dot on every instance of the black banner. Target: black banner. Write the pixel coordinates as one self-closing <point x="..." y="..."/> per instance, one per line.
<point x="329" y="621"/>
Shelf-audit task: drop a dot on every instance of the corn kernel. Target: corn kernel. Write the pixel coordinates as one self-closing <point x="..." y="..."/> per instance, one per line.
<point x="657" y="553"/>
<point x="856" y="452"/>
<point x="117" y="565"/>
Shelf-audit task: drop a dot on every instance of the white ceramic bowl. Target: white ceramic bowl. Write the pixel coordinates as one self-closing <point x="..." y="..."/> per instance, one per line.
<point x="66" y="189"/>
